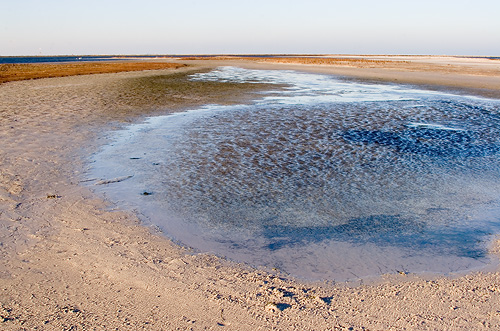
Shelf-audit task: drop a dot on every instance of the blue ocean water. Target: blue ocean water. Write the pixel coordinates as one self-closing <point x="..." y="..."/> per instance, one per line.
<point x="90" y="58"/>
<point x="51" y="59"/>
<point x="324" y="179"/>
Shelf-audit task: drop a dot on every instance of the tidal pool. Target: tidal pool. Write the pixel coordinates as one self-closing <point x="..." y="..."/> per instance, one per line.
<point x="324" y="179"/>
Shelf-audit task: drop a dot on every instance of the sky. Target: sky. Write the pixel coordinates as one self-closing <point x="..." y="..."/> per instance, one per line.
<point x="437" y="27"/>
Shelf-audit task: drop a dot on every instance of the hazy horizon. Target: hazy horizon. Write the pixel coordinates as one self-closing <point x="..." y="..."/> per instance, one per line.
<point x="246" y="55"/>
<point x="460" y="27"/>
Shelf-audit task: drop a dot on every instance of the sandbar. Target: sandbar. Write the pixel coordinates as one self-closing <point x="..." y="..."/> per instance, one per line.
<point x="72" y="260"/>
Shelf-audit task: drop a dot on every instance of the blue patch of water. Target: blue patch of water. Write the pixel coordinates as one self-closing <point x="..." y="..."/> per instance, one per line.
<point x="325" y="179"/>
<point x="51" y="59"/>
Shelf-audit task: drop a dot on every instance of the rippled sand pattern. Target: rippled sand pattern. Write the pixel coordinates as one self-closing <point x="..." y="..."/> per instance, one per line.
<point x="329" y="162"/>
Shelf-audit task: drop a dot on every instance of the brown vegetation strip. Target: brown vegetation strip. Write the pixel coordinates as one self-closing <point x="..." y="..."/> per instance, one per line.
<point x="328" y="61"/>
<point x="303" y="60"/>
<point x="13" y="72"/>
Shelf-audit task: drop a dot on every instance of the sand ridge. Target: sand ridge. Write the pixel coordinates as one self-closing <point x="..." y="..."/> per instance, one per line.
<point x="70" y="260"/>
<point x="476" y="76"/>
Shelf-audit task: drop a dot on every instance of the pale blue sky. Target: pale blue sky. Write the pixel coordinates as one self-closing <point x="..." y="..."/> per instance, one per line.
<point x="453" y="27"/>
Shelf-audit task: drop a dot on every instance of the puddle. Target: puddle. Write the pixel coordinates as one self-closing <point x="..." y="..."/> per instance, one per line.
<point x="325" y="179"/>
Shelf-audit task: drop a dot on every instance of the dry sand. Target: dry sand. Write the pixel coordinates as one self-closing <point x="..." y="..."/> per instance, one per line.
<point x="71" y="261"/>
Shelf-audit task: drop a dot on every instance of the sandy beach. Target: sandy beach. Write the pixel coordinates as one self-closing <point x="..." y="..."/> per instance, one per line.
<point x="73" y="261"/>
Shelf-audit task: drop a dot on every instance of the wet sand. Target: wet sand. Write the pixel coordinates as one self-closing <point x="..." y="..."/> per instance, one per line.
<point x="477" y="76"/>
<point x="71" y="259"/>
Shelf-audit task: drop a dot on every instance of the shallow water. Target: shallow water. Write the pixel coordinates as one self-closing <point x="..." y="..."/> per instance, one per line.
<point x="326" y="179"/>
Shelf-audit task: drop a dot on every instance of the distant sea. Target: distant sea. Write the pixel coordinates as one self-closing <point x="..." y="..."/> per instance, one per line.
<point x="72" y="58"/>
<point x="52" y="59"/>
<point x="87" y="58"/>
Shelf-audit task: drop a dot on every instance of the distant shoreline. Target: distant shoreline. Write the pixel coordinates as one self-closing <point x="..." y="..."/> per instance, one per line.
<point x="473" y="75"/>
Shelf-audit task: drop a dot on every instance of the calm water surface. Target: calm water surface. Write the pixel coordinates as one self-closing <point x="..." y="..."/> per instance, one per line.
<point x="326" y="179"/>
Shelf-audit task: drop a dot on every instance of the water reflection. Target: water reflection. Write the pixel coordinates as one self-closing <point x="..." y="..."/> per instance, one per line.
<point x="420" y="139"/>
<point x="386" y="230"/>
